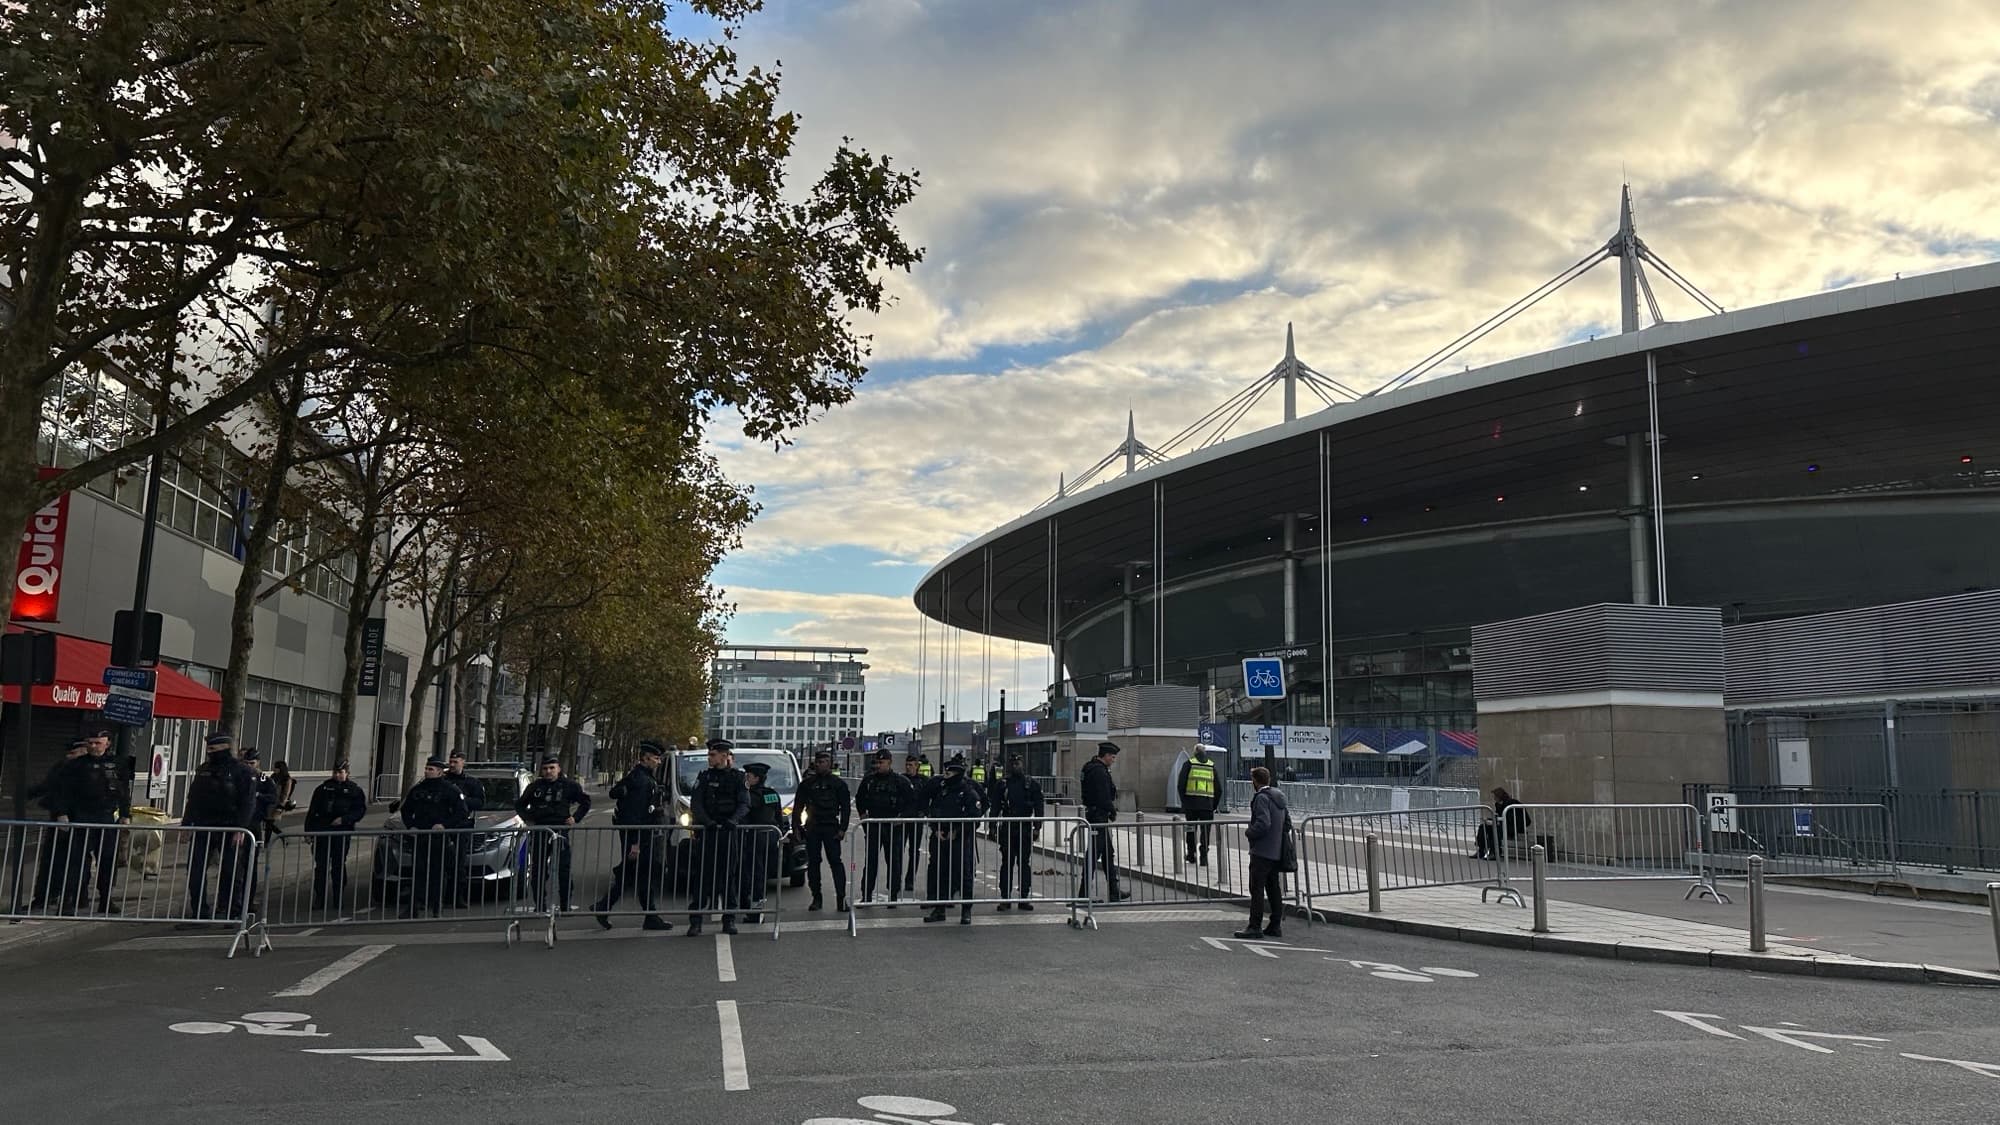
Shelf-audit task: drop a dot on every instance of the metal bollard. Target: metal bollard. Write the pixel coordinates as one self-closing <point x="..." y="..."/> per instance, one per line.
<point x="1993" y="901"/>
<point x="1374" y="853"/>
<point x="1538" y="857"/>
<point x="1757" y="942"/>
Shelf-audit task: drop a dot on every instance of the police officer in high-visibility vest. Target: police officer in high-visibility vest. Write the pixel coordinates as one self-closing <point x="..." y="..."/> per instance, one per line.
<point x="979" y="774"/>
<point x="1200" y="789"/>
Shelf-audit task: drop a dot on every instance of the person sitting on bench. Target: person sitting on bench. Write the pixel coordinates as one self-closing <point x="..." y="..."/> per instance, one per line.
<point x="1517" y="819"/>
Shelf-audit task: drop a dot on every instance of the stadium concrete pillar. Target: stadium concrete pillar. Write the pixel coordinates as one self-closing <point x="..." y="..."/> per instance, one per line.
<point x="1125" y="619"/>
<point x="1638" y="519"/>
<point x="1291" y="579"/>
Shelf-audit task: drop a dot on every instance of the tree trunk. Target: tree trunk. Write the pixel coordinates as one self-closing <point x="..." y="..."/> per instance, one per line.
<point x="530" y="690"/>
<point x="360" y="600"/>
<point x="491" y="742"/>
<point x="256" y="548"/>
<point x="414" y="728"/>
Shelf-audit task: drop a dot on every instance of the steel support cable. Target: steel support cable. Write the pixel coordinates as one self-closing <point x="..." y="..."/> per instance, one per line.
<point x="1329" y="387"/>
<point x="1223" y="431"/>
<point x="1201" y="424"/>
<point x="1336" y="384"/>
<point x="1646" y="287"/>
<point x="1682" y="282"/>
<point x="1423" y="366"/>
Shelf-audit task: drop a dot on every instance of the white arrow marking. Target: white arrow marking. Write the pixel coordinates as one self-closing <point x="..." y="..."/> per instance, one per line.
<point x="1693" y="1019"/>
<point x="429" y="1048"/>
<point x="1797" y="1038"/>
<point x="1260" y="948"/>
<point x="1990" y="1070"/>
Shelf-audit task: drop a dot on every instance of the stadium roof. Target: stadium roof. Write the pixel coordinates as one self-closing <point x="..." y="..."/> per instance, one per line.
<point x="1881" y="388"/>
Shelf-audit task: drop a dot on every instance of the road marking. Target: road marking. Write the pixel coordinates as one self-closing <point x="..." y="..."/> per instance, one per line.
<point x="1260" y="948"/>
<point x="735" y="1067"/>
<point x="429" y="1048"/>
<point x="335" y="971"/>
<point x="1990" y="1070"/>
<point x="725" y="961"/>
<point x="1693" y="1019"/>
<point x="1798" y="1039"/>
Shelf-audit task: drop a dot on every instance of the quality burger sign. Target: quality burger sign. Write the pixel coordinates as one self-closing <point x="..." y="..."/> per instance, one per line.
<point x="38" y="566"/>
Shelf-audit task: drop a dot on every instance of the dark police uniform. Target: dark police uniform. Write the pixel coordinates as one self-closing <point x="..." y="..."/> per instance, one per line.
<point x="221" y="794"/>
<point x="719" y="804"/>
<point x="336" y="807"/>
<point x="475" y="801"/>
<point x="639" y="810"/>
<point x="1100" y="807"/>
<point x="766" y="849"/>
<point x="433" y="803"/>
<point x="954" y="797"/>
<point x="916" y="804"/>
<point x="882" y="796"/>
<point x="1200" y="788"/>
<point x="819" y="813"/>
<point x="1018" y="801"/>
<point x="548" y="803"/>
<point x="52" y="856"/>
<point x="89" y="791"/>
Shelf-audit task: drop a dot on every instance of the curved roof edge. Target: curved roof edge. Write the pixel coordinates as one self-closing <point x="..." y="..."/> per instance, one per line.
<point x="1813" y="306"/>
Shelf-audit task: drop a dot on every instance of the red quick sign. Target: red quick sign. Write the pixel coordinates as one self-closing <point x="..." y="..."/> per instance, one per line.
<point x="38" y="569"/>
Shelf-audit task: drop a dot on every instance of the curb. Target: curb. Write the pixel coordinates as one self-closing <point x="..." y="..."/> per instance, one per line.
<point x="1841" y="968"/>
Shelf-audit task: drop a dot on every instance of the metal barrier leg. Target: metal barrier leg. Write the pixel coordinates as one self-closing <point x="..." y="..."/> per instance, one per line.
<point x="1757" y="942"/>
<point x="1538" y="856"/>
<point x="1993" y="903"/>
<point x="1374" y="853"/>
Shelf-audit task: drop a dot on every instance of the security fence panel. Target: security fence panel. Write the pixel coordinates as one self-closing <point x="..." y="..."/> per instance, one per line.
<point x="1314" y="799"/>
<point x="1800" y="840"/>
<point x="1604" y="843"/>
<point x="1155" y="861"/>
<point x="657" y="873"/>
<point x="956" y="864"/>
<point x="1440" y="847"/>
<point x="132" y="873"/>
<point x="1952" y="829"/>
<point x="372" y="876"/>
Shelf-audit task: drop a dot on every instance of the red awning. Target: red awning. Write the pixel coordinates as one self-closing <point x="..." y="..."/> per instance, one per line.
<point x="80" y="666"/>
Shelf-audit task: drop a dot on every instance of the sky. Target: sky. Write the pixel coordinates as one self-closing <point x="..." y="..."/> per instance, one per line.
<point x="1125" y="202"/>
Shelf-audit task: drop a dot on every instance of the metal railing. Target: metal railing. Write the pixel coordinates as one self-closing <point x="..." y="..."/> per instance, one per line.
<point x="1155" y="861"/>
<point x="520" y="874"/>
<point x="1802" y="840"/>
<point x="1604" y="843"/>
<point x="1952" y="829"/>
<point x="132" y="873"/>
<point x="1005" y="862"/>
<point x="1355" y="853"/>
<point x="1306" y="798"/>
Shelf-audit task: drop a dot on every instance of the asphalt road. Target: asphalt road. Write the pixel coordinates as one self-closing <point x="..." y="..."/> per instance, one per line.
<point x="1005" y="1021"/>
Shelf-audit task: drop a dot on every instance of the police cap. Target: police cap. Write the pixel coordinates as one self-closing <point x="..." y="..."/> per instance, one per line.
<point x="552" y="761"/>
<point x="957" y="763"/>
<point x="434" y="764"/>
<point x="1107" y="748"/>
<point x="885" y="756"/>
<point x="721" y="744"/>
<point x="79" y="743"/>
<point x="758" y="768"/>
<point x="648" y="746"/>
<point x="220" y="738"/>
<point x="822" y="754"/>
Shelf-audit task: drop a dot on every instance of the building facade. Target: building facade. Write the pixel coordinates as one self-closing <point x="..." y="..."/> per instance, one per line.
<point x="791" y="697"/>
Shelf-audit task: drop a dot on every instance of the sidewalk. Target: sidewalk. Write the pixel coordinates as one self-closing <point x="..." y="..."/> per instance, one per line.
<point x="1812" y="931"/>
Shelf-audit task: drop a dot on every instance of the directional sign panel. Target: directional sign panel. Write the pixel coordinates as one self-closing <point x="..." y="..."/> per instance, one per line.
<point x="128" y="707"/>
<point x="140" y="679"/>
<point x="1270" y="736"/>
<point x="1264" y="679"/>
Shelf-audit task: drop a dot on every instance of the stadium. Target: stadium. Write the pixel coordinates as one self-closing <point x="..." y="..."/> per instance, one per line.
<point x="1823" y="453"/>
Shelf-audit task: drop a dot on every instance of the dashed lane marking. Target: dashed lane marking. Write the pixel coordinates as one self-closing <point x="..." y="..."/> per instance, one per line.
<point x="735" y="1066"/>
<point x="319" y="980"/>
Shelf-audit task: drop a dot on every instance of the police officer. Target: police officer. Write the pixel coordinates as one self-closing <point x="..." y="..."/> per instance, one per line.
<point x="639" y="812"/>
<point x="555" y="802"/>
<point x="819" y="813"/>
<point x="767" y="810"/>
<point x="883" y="794"/>
<point x="52" y="859"/>
<point x="955" y="801"/>
<point x="475" y="800"/>
<point x="916" y="804"/>
<point x="337" y="805"/>
<point x="90" y="791"/>
<point x="1200" y="788"/>
<point x="1019" y="803"/>
<point x="431" y="806"/>
<point x="719" y="804"/>
<point x="221" y="794"/>
<point x="1100" y="807"/>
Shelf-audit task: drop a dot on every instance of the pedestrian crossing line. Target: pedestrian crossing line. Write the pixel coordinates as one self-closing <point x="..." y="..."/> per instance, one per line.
<point x="324" y="977"/>
<point x="735" y="1065"/>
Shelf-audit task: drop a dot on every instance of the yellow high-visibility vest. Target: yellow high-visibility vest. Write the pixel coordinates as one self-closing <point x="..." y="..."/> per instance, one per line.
<point x="924" y="768"/>
<point x="979" y="773"/>
<point x="1200" y="779"/>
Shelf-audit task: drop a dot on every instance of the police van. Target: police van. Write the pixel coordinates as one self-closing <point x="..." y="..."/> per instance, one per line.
<point x="782" y="779"/>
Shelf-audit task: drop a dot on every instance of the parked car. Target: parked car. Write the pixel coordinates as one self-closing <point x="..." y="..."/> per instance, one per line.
<point x="788" y="859"/>
<point x="496" y="855"/>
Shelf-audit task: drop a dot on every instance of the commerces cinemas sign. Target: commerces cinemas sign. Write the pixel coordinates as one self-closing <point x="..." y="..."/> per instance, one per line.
<point x="38" y="567"/>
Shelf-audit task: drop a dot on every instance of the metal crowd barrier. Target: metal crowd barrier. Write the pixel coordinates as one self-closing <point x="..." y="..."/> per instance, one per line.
<point x="1306" y="798"/>
<point x="1150" y="861"/>
<point x="1010" y="868"/>
<point x="1803" y="841"/>
<point x="132" y="873"/>
<point x="515" y="875"/>
<point x="1358" y="853"/>
<point x="1605" y="843"/>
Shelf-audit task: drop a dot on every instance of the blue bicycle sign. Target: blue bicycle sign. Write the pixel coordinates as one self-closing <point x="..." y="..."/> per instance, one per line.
<point x="1264" y="678"/>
